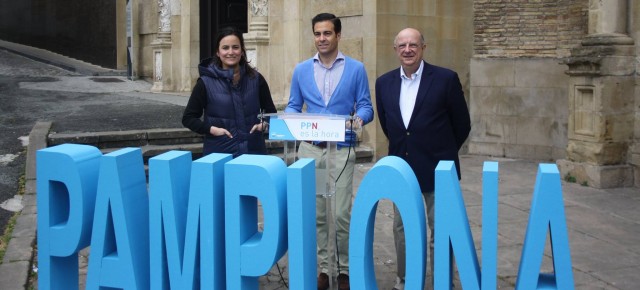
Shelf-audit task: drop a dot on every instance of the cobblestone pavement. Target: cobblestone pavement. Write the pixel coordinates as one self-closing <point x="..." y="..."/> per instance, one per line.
<point x="32" y="91"/>
<point x="14" y="133"/>
<point x="13" y="65"/>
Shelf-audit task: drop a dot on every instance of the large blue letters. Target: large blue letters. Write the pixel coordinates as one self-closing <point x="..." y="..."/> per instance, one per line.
<point x="251" y="253"/>
<point x="197" y="228"/>
<point x="119" y="253"/>
<point x="490" y="225"/>
<point x="393" y="179"/>
<point x="301" y="212"/>
<point x="180" y="213"/>
<point x="454" y="236"/>
<point x="452" y="232"/>
<point x="547" y="214"/>
<point x="67" y="178"/>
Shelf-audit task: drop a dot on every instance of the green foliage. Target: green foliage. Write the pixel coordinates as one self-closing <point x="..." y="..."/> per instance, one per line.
<point x="6" y="236"/>
<point x="8" y="231"/>
<point x="570" y="178"/>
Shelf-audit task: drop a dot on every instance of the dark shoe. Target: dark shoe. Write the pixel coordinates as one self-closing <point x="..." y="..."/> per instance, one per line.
<point x="343" y="282"/>
<point x="323" y="281"/>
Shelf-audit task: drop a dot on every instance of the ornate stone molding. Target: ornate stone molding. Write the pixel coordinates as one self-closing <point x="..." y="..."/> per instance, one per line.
<point x="607" y="39"/>
<point x="601" y="60"/>
<point x="164" y="16"/>
<point x="583" y="66"/>
<point x="259" y="7"/>
<point x="162" y="48"/>
<point x="259" y="20"/>
<point x="600" y="120"/>
<point x="157" y="57"/>
<point x="161" y="64"/>
<point x="257" y="39"/>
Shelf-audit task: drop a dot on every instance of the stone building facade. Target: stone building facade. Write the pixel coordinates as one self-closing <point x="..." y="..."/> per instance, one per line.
<point x="555" y="80"/>
<point x="558" y="80"/>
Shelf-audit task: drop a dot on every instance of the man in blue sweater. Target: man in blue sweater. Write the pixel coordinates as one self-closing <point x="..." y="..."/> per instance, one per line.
<point x="332" y="83"/>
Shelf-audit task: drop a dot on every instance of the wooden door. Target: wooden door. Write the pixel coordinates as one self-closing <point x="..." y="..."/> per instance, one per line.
<point x="216" y="14"/>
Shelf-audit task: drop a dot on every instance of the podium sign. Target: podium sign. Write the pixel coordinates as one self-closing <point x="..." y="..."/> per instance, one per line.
<point x="307" y="127"/>
<point x="293" y="127"/>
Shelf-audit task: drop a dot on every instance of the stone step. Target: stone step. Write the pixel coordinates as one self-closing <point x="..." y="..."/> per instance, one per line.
<point x="154" y="142"/>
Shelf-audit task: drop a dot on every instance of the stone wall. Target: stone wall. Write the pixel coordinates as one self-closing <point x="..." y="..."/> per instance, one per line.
<point x="519" y="89"/>
<point x="523" y="28"/>
<point x="518" y="108"/>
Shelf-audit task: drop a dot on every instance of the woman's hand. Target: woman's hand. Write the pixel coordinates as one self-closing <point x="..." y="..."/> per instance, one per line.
<point x="215" y="131"/>
<point x="260" y="127"/>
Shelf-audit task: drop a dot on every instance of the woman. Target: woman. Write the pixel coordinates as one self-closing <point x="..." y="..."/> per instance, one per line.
<point x="231" y="95"/>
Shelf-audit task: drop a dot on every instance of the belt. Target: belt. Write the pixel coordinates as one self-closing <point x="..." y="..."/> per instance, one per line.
<point x="322" y="144"/>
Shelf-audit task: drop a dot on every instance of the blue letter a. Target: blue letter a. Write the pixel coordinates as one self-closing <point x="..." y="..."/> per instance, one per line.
<point x="547" y="213"/>
<point x="119" y="255"/>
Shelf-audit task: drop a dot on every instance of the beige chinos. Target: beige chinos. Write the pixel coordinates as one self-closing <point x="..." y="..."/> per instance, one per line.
<point x="343" y="200"/>
<point x="399" y="238"/>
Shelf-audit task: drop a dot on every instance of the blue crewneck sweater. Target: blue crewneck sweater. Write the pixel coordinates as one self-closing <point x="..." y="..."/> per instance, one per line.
<point x="350" y="96"/>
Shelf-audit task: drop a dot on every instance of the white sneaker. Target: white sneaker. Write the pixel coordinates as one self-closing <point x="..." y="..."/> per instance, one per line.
<point x="399" y="284"/>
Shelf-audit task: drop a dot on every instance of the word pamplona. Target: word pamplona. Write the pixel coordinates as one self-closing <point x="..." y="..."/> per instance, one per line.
<point x="194" y="224"/>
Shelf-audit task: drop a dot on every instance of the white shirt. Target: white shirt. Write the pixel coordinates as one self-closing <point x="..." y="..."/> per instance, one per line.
<point x="408" y="93"/>
<point x="327" y="78"/>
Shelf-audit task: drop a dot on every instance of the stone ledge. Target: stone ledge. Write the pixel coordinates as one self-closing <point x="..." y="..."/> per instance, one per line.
<point x="37" y="140"/>
<point x="19" y="249"/>
<point x="597" y="176"/>
<point x="30" y="187"/>
<point x="157" y="141"/>
<point x="25" y="226"/>
<point x="13" y="276"/>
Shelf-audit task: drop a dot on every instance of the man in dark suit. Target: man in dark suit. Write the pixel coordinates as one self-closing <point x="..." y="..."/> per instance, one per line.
<point x="423" y="113"/>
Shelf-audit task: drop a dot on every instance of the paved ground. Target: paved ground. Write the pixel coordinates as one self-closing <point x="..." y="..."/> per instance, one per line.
<point x="604" y="231"/>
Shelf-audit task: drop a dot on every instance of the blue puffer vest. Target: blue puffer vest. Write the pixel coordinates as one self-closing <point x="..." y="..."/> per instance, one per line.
<point x="235" y="108"/>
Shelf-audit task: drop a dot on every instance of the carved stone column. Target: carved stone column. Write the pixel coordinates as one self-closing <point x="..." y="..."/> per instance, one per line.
<point x="601" y="101"/>
<point x="635" y="148"/>
<point x="608" y="23"/>
<point x="257" y="38"/>
<point x="634" y="24"/>
<point x="162" y="49"/>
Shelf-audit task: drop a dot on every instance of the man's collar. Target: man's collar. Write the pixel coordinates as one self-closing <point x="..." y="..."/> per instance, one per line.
<point x="341" y="56"/>
<point x="418" y="73"/>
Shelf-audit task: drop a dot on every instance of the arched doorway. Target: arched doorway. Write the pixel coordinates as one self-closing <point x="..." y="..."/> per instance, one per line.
<point x="217" y="14"/>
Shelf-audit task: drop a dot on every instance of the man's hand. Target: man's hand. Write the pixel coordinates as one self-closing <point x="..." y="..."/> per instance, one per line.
<point x="354" y="124"/>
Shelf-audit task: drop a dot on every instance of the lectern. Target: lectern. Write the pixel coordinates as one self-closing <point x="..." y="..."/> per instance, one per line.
<point x="293" y="127"/>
